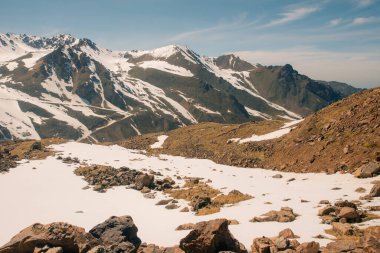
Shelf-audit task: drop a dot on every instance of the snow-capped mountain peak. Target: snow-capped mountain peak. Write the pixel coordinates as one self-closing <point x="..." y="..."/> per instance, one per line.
<point x="68" y="87"/>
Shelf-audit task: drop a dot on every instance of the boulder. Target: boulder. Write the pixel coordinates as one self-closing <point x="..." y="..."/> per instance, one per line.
<point x="37" y="145"/>
<point x="308" y="247"/>
<point x="340" y="246"/>
<point x="55" y="235"/>
<point x="209" y="237"/>
<point x="342" y="228"/>
<point x="263" y="245"/>
<point x="200" y="203"/>
<point x="144" y="180"/>
<point x="367" y="170"/>
<point x="349" y="213"/>
<point x="287" y="233"/>
<point x="375" y="191"/>
<point x="117" y="231"/>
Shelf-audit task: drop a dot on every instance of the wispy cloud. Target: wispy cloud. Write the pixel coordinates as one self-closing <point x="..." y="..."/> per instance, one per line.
<point x="365" y="3"/>
<point x="239" y="23"/>
<point x="335" y="22"/>
<point x="364" y="20"/>
<point x="292" y="15"/>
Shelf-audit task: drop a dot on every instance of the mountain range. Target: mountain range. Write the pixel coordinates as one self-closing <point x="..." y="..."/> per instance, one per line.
<point x="72" y="88"/>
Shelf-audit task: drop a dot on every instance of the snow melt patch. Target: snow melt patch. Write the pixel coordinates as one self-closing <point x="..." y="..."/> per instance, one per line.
<point x="272" y="135"/>
<point x="166" y="67"/>
<point x="52" y="192"/>
<point x="160" y="141"/>
<point x="206" y="110"/>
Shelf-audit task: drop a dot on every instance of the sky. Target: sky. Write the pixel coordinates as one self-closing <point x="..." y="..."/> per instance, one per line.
<point x="324" y="39"/>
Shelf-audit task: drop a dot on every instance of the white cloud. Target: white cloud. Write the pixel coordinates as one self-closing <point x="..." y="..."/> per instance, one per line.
<point x="365" y="3"/>
<point x="363" y="20"/>
<point x="360" y="69"/>
<point x="238" y="23"/>
<point x="335" y="22"/>
<point x="292" y="15"/>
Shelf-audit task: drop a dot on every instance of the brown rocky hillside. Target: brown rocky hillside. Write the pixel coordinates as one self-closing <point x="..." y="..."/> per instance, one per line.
<point x="340" y="137"/>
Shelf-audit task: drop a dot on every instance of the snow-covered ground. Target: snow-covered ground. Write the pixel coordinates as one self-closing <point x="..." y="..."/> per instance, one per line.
<point x="51" y="192"/>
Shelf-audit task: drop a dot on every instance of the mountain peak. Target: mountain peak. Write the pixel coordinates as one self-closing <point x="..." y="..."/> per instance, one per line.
<point x="231" y="61"/>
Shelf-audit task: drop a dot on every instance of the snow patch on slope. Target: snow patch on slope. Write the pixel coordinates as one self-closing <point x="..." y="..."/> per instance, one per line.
<point x="272" y="135"/>
<point x="166" y="67"/>
<point x="160" y="141"/>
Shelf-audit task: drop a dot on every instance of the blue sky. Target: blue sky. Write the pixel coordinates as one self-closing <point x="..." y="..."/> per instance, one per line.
<point x="325" y="39"/>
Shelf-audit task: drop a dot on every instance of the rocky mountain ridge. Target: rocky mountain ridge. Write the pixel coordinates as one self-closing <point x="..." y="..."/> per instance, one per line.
<point x="72" y="88"/>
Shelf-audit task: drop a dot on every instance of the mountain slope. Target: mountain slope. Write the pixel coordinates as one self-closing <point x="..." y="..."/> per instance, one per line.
<point x="72" y="88"/>
<point x="340" y="137"/>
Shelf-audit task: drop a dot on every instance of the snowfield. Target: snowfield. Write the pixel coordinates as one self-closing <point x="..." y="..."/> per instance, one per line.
<point x="51" y="192"/>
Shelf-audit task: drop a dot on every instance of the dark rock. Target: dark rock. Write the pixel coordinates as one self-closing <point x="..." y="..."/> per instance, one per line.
<point x="117" y="230"/>
<point x="36" y="146"/>
<point x="211" y="236"/>
<point x="144" y="180"/>
<point x="200" y="203"/>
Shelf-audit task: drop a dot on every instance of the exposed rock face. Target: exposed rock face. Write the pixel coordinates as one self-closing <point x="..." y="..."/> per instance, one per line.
<point x="308" y="247"/>
<point x="117" y="231"/>
<point x="367" y="170"/>
<point x="286" y="214"/>
<point x="369" y="241"/>
<point x="375" y="191"/>
<point x="209" y="237"/>
<point x="55" y="235"/>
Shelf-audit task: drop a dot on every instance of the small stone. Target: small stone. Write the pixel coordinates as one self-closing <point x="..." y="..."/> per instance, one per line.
<point x="171" y="206"/>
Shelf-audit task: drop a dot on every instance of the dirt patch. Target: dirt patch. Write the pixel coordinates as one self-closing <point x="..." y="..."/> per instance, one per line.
<point x="204" y="199"/>
<point x="13" y="151"/>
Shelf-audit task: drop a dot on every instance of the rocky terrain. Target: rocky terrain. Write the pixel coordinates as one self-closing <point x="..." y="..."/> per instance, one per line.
<point x="119" y="234"/>
<point x="343" y="137"/>
<point x="72" y="88"/>
<point x="13" y="151"/>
